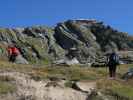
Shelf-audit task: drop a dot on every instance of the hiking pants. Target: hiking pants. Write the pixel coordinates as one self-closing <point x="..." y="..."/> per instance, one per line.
<point x="12" y="58"/>
<point x="112" y="70"/>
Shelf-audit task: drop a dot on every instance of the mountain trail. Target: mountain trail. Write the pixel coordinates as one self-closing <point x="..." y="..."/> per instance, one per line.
<point x="29" y="89"/>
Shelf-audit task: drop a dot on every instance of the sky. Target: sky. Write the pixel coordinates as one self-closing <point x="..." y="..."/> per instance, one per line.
<point x="22" y="13"/>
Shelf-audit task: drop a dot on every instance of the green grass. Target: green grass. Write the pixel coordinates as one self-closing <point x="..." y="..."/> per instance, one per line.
<point x="6" y="87"/>
<point x="120" y="89"/>
<point x="116" y="88"/>
<point x="68" y="84"/>
<point x="70" y="73"/>
<point x="73" y="73"/>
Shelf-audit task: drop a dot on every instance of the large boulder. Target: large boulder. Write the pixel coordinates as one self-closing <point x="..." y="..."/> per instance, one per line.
<point x="128" y="75"/>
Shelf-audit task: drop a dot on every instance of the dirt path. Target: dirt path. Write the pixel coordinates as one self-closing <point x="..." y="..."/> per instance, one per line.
<point x="29" y="89"/>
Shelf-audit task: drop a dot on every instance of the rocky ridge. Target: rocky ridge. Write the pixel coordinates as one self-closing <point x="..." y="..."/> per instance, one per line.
<point x="42" y="44"/>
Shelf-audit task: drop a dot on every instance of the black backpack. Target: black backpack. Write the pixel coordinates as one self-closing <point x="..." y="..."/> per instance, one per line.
<point x="114" y="59"/>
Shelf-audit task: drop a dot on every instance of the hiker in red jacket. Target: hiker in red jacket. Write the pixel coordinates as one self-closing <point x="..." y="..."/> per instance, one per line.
<point x="13" y="52"/>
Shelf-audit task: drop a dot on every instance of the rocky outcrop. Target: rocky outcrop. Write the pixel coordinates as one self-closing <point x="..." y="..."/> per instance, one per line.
<point x="126" y="57"/>
<point x="91" y="38"/>
<point x="41" y="44"/>
<point x="36" y="44"/>
<point x="128" y="75"/>
<point x="20" y="60"/>
<point x="74" y="34"/>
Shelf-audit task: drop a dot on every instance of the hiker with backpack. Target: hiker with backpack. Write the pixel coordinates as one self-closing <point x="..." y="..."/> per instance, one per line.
<point x="112" y="62"/>
<point x="13" y="52"/>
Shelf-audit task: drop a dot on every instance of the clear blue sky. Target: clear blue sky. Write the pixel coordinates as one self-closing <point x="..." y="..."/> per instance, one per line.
<point x="19" y="13"/>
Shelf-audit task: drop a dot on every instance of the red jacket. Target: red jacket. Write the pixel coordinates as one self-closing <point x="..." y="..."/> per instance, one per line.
<point x="13" y="51"/>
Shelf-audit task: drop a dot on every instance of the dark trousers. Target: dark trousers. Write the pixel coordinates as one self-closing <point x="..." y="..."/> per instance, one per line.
<point x="12" y="58"/>
<point x="112" y="70"/>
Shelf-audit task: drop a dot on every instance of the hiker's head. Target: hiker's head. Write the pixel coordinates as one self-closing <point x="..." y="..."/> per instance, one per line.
<point x="10" y="45"/>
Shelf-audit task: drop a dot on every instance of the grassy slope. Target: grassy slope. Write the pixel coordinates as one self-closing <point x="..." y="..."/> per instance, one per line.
<point x="118" y="87"/>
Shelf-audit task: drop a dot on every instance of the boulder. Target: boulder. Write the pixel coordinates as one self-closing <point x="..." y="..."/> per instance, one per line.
<point x="72" y="61"/>
<point x="86" y="87"/>
<point x="128" y="75"/>
<point x="67" y="61"/>
<point x="21" y="60"/>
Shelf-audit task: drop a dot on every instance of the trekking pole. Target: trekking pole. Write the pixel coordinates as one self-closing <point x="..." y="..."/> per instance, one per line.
<point x="106" y="63"/>
<point x="118" y="66"/>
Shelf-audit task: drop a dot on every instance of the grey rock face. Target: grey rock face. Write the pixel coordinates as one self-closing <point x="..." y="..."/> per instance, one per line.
<point x="91" y="38"/>
<point x="35" y="43"/>
<point x="74" y="34"/>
